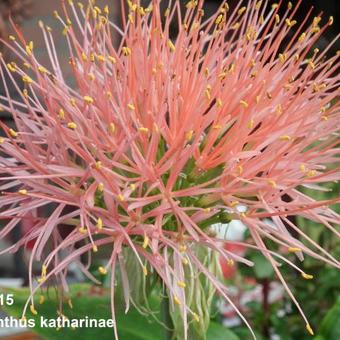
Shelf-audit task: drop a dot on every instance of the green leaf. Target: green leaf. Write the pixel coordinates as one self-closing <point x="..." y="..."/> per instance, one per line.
<point x="219" y="332"/>
<point x="262" y="267"/>
<point x="329" y="328"/>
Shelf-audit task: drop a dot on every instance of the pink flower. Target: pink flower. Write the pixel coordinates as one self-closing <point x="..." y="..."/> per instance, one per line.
<point x="163" y="137"/>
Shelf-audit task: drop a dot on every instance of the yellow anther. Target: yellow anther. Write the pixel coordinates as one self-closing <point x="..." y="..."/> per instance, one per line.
<point x="99" y="224"/>
<point x="106" y="10"/>
<point x="277" y="18"/>
<point x="131" y="107"/>
<point x="69" y="301"/>
<point x="282" y="57"/>
<point x="251" y="33"/>
<point x="92" y="57"/>
<point x="222" y="75"/>
<point x="132" y="187"/>
<point x="316" y="21"/>
<point x="219" y="102"/>
<point x="72" y="125"/>
<point x="98" y="165"/>
<point x="42" y="69"/>
<point x="207" y="93"/>
<point x="290" y="5"/>
<point x="181" y="284"/>
<point x="26" y="79"/>
<point x="61" y="114"/>
<point x="324" y="118"/>
<point x="23" y="192"/>
<point x="191" y="4"/>
<point x="65" y="30"/>
<point x="307" y="276"/>
<point x="43" y="270"/>
<point x="88" y="100"/>
<point x="84" y="56"/>
<point x="330" y="20"/>
<point x="126" y="51"/>
<point x="311" y="173"/>
<point x="290" y="23"/>
<point x="120" y="198"/>
<point x="240" y="169"/>
<point x="217" y="127"/>
<point x="234" y="203"/>
<point x="11" y="37"/>
<point x="2" y="140"/>
<point x="11" y="67"/>
<point x="13" y="133"/>
<point x="56" y="14"/>
<point x="94" y="248"/>
<point x="41" y="299"/>
<point x="309" y="329"/>
<point x="196" y="317"/>
<point x="274" y="6"/>
<point x="244" y="103"/>
<point x="91" y="76"/>
<point x="311" y="64"/>
<point x="316" y="50"/>
<point x="145" y="270"/>
<point x="101" y="58"/>
<point x="257" y="99"/>
<point x="272" y="183"/>
<point x="302" y="37"/>
<point x="315" y="29"/>
<point x="73" y="102"/>
<point x="241" y="10"/>
<point x="112" y="128"/>
<point x="250" y="124"/>
<point x="219" y="19"/>
<point x="177" y="301"/>
<point x="285" y="138"/>
<point x="278" y="108"/>
<point x="33" y="310"/>
<point x="293" y="249"/>
<point x="185" y="261"/>
<point x="100" y="187"/>
<point x="141" y="11"/>
<point x="41" y="280"/>
<point x="146" y="241"/>
<point x="189" y="135"/>
<point x="82" y="230"/>
<point x="112" y="59"/>
<point x="258" y="5"/>
<point x="102" y="270"/>
<point x="167" y="12"/>
<point x="28" y="50"/>
<point x="171" y="46"/>
<point x="143" y="129"/>
<point x="97" y="9"/>
<point x="230" y="262"/>
<point x="182" y="248"/>
<point x="302" y="168"/>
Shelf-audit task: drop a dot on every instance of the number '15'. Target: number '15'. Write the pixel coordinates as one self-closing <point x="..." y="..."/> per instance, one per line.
<point x="6" y="299"/>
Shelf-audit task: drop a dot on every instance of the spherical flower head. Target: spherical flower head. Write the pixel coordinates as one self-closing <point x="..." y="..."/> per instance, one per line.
<point x="164" y="136"/>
